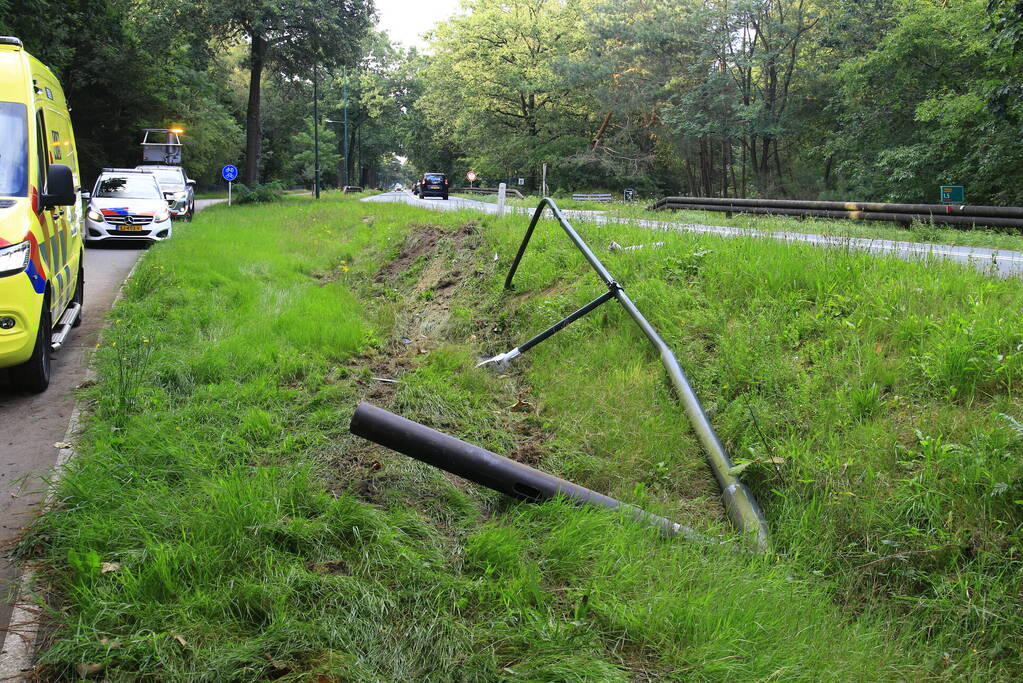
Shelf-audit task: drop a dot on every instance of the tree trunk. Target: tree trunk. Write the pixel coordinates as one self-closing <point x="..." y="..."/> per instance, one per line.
<point x="742" y="188"/>
<point x="724" y="167"/>
<point x="253" y="129"/>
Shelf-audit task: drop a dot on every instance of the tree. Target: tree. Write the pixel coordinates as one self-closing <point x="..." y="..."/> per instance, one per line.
<point x="101" y="49"/>
<point x="292" y="37"/>
<point x="495" y="85"/>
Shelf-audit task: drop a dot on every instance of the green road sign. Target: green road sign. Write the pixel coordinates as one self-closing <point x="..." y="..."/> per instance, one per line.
<point x="953" y="194"/>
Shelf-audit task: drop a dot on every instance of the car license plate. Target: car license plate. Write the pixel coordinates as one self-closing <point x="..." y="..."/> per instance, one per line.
<point x="434" y="187"/>
<point x="131" y="228"/>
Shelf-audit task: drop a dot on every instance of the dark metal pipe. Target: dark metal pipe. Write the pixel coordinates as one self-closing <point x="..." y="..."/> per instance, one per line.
<point x="877" y="207"/>
<point x="486" y="468"/>
<point x="550" y="331"/>
<point x="739" y="501"/>
<point x="970" y="221"/>
<point x="562" y="324"/>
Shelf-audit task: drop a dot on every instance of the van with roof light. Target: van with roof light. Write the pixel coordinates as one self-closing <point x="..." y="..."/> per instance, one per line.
<point x="42" y="276"/>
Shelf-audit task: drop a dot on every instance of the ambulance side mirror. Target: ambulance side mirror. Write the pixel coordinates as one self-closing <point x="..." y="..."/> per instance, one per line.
<point x="61" y="186"/>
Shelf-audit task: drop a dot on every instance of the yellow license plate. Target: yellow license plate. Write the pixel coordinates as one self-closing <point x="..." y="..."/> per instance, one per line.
<point x="131" y="228"/>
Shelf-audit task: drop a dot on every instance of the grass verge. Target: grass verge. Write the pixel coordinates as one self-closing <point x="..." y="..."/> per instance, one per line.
<point x="220" y="524"/>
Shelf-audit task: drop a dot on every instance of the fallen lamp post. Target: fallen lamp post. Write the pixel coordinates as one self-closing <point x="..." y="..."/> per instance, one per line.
<point x="740" y="504"/>
<point x="489" y="469"/>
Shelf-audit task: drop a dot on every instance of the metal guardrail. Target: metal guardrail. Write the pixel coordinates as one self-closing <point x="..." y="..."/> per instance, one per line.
<point x="487" y="190"/>
<point x="739" y="501"/>
<point x="349" y="189"/>
<point x="592" y="197"/>
<point x="948" y="214"/>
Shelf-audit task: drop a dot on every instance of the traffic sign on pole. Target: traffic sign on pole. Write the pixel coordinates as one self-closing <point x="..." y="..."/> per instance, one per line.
<point x="952" y="194"/>
<point x="230" y="173"/>
<point x="471" y="177"/>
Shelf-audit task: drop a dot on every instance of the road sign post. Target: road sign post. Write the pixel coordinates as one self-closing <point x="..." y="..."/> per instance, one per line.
<point x="471" y="177"/>
<point x="230" y="174"/>
<point x="952" y="194"/>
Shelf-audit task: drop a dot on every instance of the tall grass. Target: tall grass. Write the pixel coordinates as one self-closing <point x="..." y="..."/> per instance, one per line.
<point x="228" y="528"/>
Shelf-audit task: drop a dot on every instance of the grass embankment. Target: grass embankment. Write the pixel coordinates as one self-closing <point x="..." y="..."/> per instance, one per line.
<point x="247" y="536"/>
<point x="990" y="238"/>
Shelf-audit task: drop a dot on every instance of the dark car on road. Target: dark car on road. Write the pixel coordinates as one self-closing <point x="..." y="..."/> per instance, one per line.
<point x="431" y="185"/>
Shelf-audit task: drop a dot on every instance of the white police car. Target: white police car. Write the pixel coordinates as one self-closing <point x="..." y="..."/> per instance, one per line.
<point x="126" y="204"/>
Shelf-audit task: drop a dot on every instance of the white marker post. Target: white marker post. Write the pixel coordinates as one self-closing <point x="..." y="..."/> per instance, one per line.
<point x="229" y="184"/>
<point x="502" y="189"/>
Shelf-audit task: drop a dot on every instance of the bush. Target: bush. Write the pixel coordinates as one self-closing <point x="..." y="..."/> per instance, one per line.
<point x="269" y="192"/>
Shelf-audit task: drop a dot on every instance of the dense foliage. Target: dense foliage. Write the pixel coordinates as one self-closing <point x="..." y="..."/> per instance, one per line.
<point x="127" y="65"/>
<point x="878" y="100"/>
<point x="836" y="99"/>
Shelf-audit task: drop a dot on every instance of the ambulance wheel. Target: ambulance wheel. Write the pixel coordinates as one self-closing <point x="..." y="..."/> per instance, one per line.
<point x="79" y="295"/>
<point x="33" y="376"/>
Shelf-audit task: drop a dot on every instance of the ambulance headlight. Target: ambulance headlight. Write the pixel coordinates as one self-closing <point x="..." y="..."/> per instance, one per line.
<point x="14" y="259"/>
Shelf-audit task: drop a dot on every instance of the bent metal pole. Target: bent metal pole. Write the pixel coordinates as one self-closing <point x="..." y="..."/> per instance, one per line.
<point x="489" y="469"/>
<point x="740" y="504"/>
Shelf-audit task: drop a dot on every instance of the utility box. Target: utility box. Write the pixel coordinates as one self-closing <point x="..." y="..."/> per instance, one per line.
<point x="162" y="146"/>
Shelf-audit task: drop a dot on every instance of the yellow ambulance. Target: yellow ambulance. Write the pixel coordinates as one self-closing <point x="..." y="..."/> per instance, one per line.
<point x="41" y="254"/>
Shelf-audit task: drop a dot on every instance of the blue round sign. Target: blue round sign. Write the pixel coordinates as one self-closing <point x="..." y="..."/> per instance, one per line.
<point x="230" y="173"/>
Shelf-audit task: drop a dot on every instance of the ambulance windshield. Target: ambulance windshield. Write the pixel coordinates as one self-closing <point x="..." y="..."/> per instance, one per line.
<point x="13" y="150"/>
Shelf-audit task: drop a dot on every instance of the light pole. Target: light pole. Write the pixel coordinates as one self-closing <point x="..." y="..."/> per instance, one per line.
<point x="316" y="135"/>
<point x="344" y="165"/>
<point x="344" y="90"/>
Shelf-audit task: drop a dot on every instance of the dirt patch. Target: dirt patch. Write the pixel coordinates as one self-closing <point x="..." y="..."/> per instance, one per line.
<point x="424" y="240"/>
<point x="445" y="264"/>
<point x="420" y="241"/>
<point x="324" y="278"/>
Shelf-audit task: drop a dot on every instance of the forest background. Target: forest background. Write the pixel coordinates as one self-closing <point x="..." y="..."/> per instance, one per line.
<point x="880" y="100"/>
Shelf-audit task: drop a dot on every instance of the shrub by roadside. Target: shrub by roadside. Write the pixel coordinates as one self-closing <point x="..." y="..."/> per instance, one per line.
<point x="270" y="192"/>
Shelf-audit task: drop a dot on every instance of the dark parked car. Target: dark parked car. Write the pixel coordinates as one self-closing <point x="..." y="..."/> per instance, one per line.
<point x="431" y="185"/>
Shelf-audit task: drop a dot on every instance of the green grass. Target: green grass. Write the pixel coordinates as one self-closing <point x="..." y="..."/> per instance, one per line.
<point x="876" y="402"/>
<point x="991" y="238"/>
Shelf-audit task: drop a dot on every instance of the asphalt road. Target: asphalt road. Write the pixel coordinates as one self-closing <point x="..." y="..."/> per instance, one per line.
<point x="992" y="261"/>
<point x="31" y="425"/>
